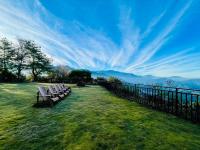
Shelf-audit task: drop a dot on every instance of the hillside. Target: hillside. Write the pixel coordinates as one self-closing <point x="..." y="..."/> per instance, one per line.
<point x="149" y="79"/>
<point x="90" y="118"/>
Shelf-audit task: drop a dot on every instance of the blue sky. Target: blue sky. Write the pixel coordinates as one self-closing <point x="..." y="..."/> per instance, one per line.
<point x="157" y="37"/>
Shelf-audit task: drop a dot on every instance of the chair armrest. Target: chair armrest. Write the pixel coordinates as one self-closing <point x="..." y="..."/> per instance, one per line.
<point x="54" y="93"/>
<point x="45" y="96"/>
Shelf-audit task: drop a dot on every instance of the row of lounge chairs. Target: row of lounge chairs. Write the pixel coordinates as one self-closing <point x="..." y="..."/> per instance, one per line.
<point x="53" y="94"/>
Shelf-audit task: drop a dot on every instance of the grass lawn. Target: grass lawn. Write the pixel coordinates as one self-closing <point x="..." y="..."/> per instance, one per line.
<point x="90" y="118"/>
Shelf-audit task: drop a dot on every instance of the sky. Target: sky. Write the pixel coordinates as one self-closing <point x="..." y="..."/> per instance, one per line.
<point x="157" y="37"/>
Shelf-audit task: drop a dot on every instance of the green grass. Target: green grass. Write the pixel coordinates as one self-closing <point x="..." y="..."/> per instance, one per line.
<point x="90" y="118"/>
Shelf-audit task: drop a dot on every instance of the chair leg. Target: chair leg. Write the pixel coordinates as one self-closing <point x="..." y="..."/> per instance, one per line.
<point x="37" y="97"/>
<point x="51" y="103"/>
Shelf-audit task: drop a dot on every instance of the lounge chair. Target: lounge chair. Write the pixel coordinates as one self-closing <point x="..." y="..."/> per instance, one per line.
<point x="55" y="93"/>
<point x="43" y="94"/>
<point x="59" y="90"/>
<point x="65" y="88"/>
<point x="66" y="91"/>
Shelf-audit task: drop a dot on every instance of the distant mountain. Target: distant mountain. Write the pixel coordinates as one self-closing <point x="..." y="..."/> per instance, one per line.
<point x="149" y="79"/>
<point x="112" y="73"/>
<point x="64" y="68"/>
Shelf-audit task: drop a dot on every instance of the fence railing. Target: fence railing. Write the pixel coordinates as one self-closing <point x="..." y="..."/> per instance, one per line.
<point x="181" y="102"/>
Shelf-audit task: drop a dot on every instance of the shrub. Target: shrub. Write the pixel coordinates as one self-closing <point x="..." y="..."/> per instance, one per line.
<point x="81" y="84"/>
<point x="101" y="81"/>
<point x="80" y="76"/>
<point x="59" y="74"/>
<point x="6" y="76"/>
<point x="114" y="81"/>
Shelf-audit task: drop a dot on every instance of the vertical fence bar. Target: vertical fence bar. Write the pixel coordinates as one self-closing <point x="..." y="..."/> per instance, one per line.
<point x="156" y="99"/>
<point x="164" y="100"/>
<point x="181" y="112"/>
<point x="161" y="99"/>
<point x="197" y="109"/>
<point x="146" y="95"/>
<point x="191" y="108"/>
<point x="168" y="101"/>
<point x="135" y="90"/>
<point x="186" y="106"/>
<point x="176" y="101"/>
<point x="172" y="102"/>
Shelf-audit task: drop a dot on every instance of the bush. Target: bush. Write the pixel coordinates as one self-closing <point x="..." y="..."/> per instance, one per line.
<point x="80" y="76"/>
<point x="114" y="81"/>
<point x="111" y="84"/>
<point x="59" y="74"/>
<point x="21" y="78"/>
<point x="101" y="81"/>
<point x="6" y="76"/>
<point x="81" y="84"/>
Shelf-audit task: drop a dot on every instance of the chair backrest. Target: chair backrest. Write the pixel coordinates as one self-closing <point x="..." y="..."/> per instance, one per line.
<point x="61" y="87"/>
<point x="64" y="87"/>
<point x="52" y="89"/>
<point x="43" y="92"/>
<point x="56" y="88"/>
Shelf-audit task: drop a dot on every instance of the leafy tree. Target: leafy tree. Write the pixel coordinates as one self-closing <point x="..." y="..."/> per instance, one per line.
<point x="6" y="55"/>
<point x="21" y="58"/>
<point x="38" y="63"/>
<point x="6" y="61"/>
<point x="59" y="74"/>
<point x="80" y="75"/>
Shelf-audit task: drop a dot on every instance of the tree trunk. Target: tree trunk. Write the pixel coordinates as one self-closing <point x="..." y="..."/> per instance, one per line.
<point x="34" y="75"/>
<point x="19" y="72"/>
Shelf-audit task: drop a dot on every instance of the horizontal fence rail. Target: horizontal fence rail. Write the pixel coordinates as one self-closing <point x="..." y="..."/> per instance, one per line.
<point x="178" y="101"/>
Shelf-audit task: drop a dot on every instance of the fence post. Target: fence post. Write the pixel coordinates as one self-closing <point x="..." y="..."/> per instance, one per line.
<point x="176" y="101"/>
<point x="197" y="109"/>
<point x="135" y="90"/>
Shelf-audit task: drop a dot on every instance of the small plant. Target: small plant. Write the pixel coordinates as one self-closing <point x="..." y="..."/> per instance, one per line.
<point x="102" y="81"/>
<point x="114" y="81"/>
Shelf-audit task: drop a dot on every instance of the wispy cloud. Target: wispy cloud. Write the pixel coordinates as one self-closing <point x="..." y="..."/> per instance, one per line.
<point x="155" y="45"/>
<point x="81" y="46"/>
<point x="181" y="62"/>
<point x="130" y="38"/>
<point x="78" y="51"/>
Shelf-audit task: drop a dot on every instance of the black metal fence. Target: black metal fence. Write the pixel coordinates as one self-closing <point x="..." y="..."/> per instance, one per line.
<point x="181" y="102"/>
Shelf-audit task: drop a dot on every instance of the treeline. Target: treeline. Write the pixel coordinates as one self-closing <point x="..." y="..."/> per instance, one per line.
<point x="63" y="75"/>
<point x="25" y="56"/>
<point x="25" y="61"/>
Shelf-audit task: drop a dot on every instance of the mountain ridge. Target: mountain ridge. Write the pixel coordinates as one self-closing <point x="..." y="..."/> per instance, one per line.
<point x="175" y="81"/>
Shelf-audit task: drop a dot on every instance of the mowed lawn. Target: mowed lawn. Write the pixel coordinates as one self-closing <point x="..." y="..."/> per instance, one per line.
<point x="90" y="118"/>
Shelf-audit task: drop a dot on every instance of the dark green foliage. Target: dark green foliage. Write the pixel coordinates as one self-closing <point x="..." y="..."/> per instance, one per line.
<point x="6" y="61"/>
<point x="110" y="83"/>
<point x="6" y="55"/>
<point x="38" y="62"/>
<point x="81" y="84"/>
<point x="21" y="59"/>
<point x="26" y="55"/>
<point x="101" y="81"/>
<point x="114" y="81"/>
<point x="80" y="75"/>
<point x="7" y="76"/>
<point x="58" y="74"/>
